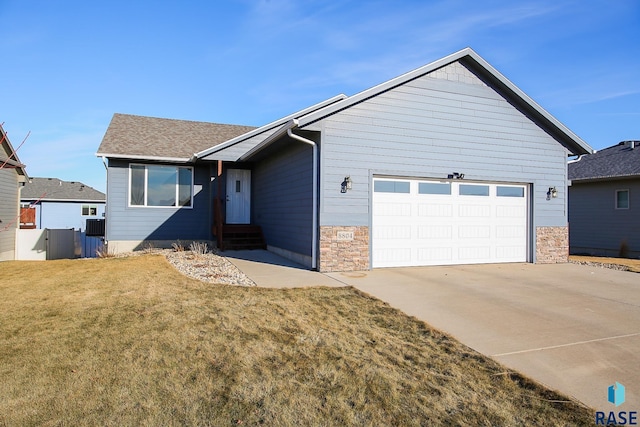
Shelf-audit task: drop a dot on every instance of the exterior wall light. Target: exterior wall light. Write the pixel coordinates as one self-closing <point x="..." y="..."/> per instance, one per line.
<point x="552" y="193"/>
<point x="346" y="184"/>
<point x="456" y="175"/>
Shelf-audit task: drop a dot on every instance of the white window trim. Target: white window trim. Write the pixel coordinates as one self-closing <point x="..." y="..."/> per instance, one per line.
<point x="615" y="200"/>
<point x="146" y="190"/>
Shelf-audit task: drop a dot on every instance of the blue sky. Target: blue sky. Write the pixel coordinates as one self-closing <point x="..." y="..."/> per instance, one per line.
<point x="69" y="65"/>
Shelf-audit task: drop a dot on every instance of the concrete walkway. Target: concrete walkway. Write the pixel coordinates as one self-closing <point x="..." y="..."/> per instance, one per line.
<point x="269" y="270"/>
<point x="573" y="328"/>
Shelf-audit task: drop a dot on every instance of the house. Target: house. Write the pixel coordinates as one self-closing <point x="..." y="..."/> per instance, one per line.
<point x="604" y="202"/>
<point x="56" y="204"/>
<point x="12" y="177"/>
<point x="450" y="163"/>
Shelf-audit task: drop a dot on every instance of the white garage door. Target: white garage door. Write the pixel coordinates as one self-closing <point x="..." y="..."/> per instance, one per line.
<point x="423" y="222"/>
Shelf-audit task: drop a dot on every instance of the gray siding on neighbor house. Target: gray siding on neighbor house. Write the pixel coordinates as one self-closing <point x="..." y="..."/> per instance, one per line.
<point x="8" y="212"/>
<point x="596" y="226"/>
<point x="152" y="223"/>
<point x="445" y="122"/>
<point x="282" y="197"/>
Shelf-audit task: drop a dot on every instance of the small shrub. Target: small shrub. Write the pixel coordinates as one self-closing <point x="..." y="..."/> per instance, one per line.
<point x="178" y="246"/>
<point x="105" y="252"/>
<point x="198" y="248"/>
<point x="148" y="248"/>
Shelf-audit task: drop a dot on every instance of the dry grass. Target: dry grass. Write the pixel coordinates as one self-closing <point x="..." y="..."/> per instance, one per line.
<point x="631" y="264"/>
<point x="129" y="341"/>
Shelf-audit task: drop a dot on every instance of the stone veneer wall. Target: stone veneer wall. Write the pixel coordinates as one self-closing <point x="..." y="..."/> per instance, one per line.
<point x="552" y="245"/>
<point x="344" y="248"/>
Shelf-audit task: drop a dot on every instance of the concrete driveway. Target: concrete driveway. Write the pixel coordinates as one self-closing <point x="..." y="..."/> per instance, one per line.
<point x="573" y="328"/>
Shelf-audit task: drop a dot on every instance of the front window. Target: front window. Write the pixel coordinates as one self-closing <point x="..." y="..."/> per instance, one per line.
<point x="159" y="185"/>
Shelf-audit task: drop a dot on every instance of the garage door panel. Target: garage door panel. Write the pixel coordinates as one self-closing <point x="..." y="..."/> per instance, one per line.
<point x="511" y="232"/>
<point x="474" y="254"/>
<point x="474" y="211"/>
<point x="511" y="211"/>
<point x="440" y="223"/>
<point x="441" y="254"/>
<point x="507" y="253"/>
<point x="433" y="232"/>
<point x="435" y="210"/>
<point x="392" y="209"/>
<point x="474" y="232"/>
<point x="389" y="232"/>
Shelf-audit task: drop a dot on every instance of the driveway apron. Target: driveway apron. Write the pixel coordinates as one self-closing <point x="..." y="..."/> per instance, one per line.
<point x="574" y="328"/>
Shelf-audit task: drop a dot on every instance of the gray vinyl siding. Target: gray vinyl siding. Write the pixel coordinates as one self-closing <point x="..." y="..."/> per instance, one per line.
<point x="151" y="223"/>
<point x="282" y="197"/>
<point x="595" y="226"/>
<point x="8" y="212"/>
<point x="446" y="122"/>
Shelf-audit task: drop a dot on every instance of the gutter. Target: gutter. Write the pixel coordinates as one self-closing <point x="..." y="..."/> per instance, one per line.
<point x="314" y="231"/>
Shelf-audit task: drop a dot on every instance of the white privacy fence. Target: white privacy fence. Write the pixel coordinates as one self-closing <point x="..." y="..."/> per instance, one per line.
<point x="48" y="244"/>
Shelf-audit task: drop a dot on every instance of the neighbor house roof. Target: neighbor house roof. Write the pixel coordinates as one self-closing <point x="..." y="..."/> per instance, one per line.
<point x="620" y="161"/>
<point x="54" y="189"/>
<point x="9" y="157"/>
<point x="139" y="137"/>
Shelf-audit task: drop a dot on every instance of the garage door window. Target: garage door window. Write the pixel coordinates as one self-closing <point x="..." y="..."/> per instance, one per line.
<point x="434" y="188"/>
<point x="391" y="186"/>
<point x="474" y="190"/>
<point x="510" y="191"/>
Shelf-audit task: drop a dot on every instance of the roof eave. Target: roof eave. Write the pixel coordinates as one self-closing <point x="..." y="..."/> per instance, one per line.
<point x="606" y="178"/>
<point x="269" y="126"/>
<point x="560" y="132"/>
<point x="45" y="199"/>
<point x="382" y="87"/>
<point x="143" y="157"/>
<point x="264" y="144"/>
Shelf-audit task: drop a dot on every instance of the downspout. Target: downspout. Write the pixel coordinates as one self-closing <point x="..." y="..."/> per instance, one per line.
<point x="314" y="231"/>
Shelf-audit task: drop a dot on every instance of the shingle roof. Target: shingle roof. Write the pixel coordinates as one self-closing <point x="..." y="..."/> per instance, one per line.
<point x="56" y="189"/>
<point x="613" y="162"/>
<point x="130" y="136"/>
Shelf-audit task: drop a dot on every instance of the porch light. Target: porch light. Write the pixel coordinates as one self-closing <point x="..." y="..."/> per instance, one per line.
<point x="552" y="193"/>
<point x="346" y="184"/>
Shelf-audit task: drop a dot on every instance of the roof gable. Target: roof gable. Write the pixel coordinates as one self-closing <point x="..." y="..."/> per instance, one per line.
<point x="470" y="59"/>
<point x="618" y="161"/>
<point x="139" y="137"/>
<point x="57" y="189"/>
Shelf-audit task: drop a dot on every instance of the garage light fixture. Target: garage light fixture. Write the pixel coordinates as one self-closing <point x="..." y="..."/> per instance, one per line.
<point x="552" y="193"/>
<point x="346" y="184"/>
<point x="456" y="175"/>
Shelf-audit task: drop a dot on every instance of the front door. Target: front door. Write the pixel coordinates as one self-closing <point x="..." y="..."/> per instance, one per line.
<point x="238" y="196"/>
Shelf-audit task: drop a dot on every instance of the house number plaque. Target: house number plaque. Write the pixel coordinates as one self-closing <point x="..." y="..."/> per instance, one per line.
<point x="345" y="236"/>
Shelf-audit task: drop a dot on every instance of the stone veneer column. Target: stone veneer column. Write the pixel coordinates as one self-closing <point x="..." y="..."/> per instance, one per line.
<point x="552" y="245"/>
<point x="344" y="248"/>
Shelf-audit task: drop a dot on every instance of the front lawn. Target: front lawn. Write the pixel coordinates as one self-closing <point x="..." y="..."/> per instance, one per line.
<point x="130" y="341"/>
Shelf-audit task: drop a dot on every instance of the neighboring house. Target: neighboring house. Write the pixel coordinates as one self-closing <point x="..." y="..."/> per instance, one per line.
<point x="57" y="204"/>
<point x="604" y="202"/>
<point x="448" y="164"/>
<point x="12" y="177"/>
